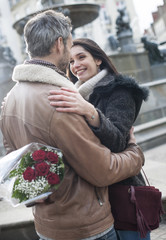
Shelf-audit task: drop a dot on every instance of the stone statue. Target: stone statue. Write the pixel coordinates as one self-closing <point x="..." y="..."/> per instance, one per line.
<point x="123" y="21"/>
<point x="155" y="55"/>
<point x="124" y="31"/>
<point x="113" y="42"/>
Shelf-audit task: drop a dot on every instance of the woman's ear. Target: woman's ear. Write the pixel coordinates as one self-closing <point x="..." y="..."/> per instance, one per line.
<point x="98" y="62"/>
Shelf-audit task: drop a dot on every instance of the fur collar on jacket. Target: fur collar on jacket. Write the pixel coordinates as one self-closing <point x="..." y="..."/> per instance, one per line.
<point x="42" y="74"/>
<point x="109" y="83"/>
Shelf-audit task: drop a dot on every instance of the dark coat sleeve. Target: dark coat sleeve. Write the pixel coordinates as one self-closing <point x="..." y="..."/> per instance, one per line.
<point x="116" y="118"/>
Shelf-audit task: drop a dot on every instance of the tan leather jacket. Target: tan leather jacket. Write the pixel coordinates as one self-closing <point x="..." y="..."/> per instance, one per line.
<point x="80" y="207"/>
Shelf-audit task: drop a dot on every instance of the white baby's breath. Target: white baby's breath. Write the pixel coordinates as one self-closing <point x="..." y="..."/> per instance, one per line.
<point x="33" y="188"/>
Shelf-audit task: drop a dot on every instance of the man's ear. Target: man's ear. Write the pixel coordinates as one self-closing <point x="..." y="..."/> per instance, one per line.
<point x="59" y="44"/>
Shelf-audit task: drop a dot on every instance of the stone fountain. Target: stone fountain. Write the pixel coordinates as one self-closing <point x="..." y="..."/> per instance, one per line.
<point x="80" y="14"/>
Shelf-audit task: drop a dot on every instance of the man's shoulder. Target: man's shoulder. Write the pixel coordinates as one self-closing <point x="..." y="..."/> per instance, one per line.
<point x="42" y="74"/>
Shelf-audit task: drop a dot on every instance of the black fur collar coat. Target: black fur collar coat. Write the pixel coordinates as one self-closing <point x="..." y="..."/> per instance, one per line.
<point x="118" y="100"/>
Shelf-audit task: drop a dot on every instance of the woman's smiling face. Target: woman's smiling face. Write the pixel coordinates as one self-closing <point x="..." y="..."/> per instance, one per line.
<point x="82" y="63"/>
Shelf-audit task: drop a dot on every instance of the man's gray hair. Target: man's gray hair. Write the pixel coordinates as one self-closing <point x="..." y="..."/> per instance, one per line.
<point x="42" y="30"/>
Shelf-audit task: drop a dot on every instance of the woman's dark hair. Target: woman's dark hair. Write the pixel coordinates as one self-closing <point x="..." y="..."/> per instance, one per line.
<point x="96" y="52"/>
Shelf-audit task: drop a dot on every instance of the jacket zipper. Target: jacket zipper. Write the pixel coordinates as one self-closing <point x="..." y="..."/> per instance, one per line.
<point x="98" y="197"/>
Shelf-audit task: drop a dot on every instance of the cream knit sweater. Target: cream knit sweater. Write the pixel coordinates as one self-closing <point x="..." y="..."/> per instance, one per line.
<point x="86" y="88"/>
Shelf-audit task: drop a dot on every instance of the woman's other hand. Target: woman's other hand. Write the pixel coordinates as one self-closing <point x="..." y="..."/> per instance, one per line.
<point x="132" y="136"/>
<point x="66" y="100"/>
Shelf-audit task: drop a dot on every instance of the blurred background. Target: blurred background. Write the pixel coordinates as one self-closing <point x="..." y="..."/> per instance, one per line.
<point x="133" y="34"/>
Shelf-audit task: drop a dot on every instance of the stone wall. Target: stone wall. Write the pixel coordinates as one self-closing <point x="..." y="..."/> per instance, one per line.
<point x="155" y="107"/>
<point x="138" y="66"/>
<point x="133" y="64"/>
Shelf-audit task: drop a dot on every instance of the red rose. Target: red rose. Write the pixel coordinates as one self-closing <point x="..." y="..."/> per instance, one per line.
<point x="29" y="174"/>
<point x="52" y="157"/>
<point x="42" y="169"/>
<point x="53" y="178"/>
<point x="39" y="155"/>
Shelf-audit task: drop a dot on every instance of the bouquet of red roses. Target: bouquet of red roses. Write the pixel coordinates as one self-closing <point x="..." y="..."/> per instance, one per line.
<point x="34" y="172"/>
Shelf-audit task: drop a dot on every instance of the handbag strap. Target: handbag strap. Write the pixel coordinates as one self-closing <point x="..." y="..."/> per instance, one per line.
<point x="145" y="177"/>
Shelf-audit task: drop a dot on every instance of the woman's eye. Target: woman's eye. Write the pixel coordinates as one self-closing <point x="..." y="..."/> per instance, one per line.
<point x="81" y="57"/>
<point x="71" y="61"/>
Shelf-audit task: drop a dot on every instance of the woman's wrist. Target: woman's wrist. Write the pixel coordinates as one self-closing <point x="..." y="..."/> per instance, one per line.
<point x="90" y="114"/>
<point x="92" y="117"/>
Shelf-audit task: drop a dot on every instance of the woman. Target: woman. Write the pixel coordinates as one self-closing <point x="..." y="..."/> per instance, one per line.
<point x="109" y="101"/>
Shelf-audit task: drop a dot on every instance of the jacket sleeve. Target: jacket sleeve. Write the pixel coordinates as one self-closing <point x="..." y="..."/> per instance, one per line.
<point x="116" y="120"/>
<point x="87" y="156"/>
<point x="5" y="143"/>
<point x="6" y="146"/>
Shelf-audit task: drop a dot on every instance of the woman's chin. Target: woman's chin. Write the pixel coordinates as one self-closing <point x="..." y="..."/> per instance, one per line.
<point x="83" y="79"/>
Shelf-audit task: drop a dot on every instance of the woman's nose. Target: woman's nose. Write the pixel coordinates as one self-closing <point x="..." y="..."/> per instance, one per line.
<point x="76" y="64"/>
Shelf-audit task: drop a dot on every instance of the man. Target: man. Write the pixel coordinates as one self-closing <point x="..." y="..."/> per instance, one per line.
<point x="79" y="209"/>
